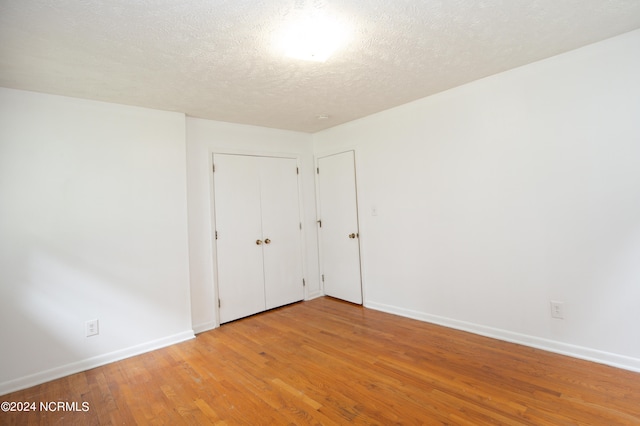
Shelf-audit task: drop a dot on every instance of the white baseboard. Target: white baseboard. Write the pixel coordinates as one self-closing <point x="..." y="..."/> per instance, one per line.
<point x="205" y="326"/>
<point x="601" y="357"/>
<point x="89" y="363"/>
<point x="314" y="295"/>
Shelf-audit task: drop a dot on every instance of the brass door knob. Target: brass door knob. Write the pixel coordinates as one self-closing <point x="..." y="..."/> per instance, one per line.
<point x="258" y="242"/>
<point x="267" y="241"/>
<point x="352" y="236"/>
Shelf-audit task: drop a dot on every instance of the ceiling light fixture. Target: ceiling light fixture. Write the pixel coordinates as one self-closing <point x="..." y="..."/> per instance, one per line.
<point x="312" y="35"/>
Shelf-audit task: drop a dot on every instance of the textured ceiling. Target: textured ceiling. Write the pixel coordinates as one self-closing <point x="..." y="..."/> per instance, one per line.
<point x="214" y="58"/>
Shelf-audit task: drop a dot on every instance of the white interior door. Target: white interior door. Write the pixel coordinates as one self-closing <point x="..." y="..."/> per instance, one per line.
<point x="281" y="231"/>
<point x="339" y="234"/>
<point x="238" y="226"/>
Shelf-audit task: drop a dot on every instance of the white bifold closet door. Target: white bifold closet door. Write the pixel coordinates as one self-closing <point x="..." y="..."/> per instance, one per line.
<point x="258" y="236"/>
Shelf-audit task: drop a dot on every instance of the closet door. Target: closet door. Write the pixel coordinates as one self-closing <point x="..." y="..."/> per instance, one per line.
<point x="258" y="244"/>
<point x="281" y="231"/>
<point x="238" y="227"/>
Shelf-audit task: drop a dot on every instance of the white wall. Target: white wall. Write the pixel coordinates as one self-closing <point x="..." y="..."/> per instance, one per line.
<point x="205" y="137"/>
<point x="93" y="224"/>
<point x="496" y="197"/>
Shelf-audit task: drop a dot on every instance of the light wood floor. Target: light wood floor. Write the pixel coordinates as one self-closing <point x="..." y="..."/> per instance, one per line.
<point x="330" y="362"/>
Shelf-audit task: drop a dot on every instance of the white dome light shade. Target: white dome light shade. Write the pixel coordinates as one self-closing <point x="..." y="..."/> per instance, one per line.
<point x="312" y="37"/>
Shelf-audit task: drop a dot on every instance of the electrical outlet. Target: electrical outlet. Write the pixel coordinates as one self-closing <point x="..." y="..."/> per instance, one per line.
<point x="557" y="309"/>
<point x="91" y="327"/>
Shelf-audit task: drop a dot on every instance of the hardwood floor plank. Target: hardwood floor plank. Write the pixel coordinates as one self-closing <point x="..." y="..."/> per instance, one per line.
<point x="327" y="362"/>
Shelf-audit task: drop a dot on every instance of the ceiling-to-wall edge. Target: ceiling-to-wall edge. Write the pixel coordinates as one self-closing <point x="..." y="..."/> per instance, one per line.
<point x="319" y="136"/>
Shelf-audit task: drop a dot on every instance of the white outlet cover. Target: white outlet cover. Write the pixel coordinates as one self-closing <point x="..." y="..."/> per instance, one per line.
<point x="557" y="309"/>
<point x="91" y="328"/>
